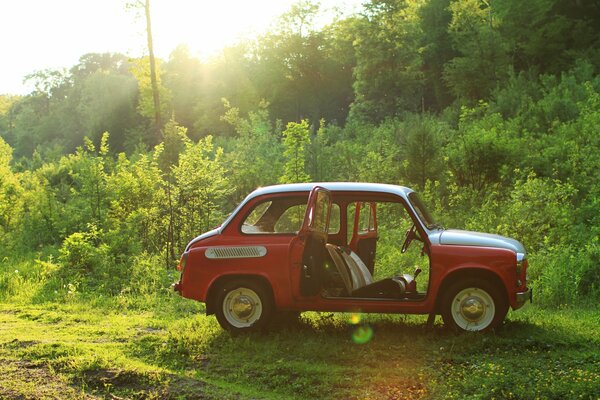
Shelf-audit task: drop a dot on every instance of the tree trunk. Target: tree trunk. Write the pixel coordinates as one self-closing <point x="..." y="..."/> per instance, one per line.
<point x="153" y="80"/>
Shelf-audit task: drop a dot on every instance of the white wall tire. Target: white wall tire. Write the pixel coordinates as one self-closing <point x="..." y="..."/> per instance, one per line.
<point x="243" y="306"/>
<point x="473" y="305"/>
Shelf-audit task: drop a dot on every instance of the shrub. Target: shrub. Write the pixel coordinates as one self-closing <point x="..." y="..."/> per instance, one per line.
<point x="148" y="274"/>
<point x="89" y="264"/>
<point x="566" y="275"/>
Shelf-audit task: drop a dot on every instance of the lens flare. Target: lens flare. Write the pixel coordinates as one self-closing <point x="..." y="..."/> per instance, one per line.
<point x="354" y="318"/>
<point x="362" y="334"/>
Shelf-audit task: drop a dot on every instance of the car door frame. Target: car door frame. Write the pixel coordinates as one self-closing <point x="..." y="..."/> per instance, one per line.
<point x="313" y="235"/>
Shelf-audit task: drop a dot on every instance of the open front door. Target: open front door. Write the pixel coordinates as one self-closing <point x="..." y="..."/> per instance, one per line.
<point x="314" y="233"/>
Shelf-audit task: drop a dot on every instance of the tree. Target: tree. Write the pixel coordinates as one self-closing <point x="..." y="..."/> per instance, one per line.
<point x="147" y="85"/>
<point x="437" y="50"/>
<point x="420" y="139"/>
<point x="388" y="73"/>
<point x="482" y="61"/>
<point x="302" y="72"/>
<point x="296" y="138"/>
<point x="153" y="69"/>
<point x="254" y="156"/>
<point x="10" y="191"/>
<point x="183" y="76"/>
<point x="202" y="189"/>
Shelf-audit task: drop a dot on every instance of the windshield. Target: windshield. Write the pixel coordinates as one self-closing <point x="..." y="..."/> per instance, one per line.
<point x="422" y="212"/>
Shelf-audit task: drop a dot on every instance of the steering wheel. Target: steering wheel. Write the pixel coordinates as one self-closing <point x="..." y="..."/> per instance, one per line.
<point x="410" y="235"/>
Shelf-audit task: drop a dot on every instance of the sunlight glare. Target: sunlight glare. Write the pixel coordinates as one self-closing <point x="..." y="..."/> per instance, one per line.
<point x="362" y="334"/>
<point x="208" y="26"/>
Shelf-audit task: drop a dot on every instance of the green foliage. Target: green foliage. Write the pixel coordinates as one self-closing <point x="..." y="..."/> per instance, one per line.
<point x="296" y="138"/>
<point x="533" y="212"/>
<point x="388" y="70"/>
<point x="201" y="188"/>
<point x="481" y="150"/>
<point x="83" y="252"/>
<point x="147" y="276"/>
<point x="10" y="191"/>
<point x="255" y="154"/>
<point x="564" y="275"/>
<point x="483" y="60"/>
<point x="468" y="102"/>
<point x="140" y="69"/>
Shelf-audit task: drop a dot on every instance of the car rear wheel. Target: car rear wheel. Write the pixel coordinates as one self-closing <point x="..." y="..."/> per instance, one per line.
<point x="243" y="306"/>
<point x="473" y="305"/>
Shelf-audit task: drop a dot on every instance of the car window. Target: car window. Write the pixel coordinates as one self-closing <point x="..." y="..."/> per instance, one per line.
<point x="283" y="216"/>
<point x="366" y="222"/>
<point x="251" y="224"/>
<point x="366" y="217"/>
<point x="334" y="219"/>
<point x="291" y="219"/>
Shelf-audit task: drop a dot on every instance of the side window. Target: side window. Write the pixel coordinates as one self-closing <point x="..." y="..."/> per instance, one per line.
<point x="350" y="215"/>
<point x="251" y="224"/>
<point x="284" y="216"/>
<point x="366" y="218"/>
<point x="291" y="219"/>
<point x="334" y="219"/>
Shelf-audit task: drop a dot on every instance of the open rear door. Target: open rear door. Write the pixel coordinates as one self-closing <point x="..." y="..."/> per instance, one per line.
<point x="314" y="233"/>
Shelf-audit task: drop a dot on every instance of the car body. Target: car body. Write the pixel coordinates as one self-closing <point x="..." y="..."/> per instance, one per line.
<point x="314" y="247"/>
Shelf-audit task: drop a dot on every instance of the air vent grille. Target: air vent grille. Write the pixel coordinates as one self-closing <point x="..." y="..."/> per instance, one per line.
<point x="236" y="252"/>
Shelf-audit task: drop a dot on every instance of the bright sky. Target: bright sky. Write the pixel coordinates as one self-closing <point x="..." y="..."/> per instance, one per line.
<point x="40" y="34"/>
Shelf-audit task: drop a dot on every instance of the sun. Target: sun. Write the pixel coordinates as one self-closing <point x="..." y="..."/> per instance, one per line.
<point x="208" y="26"/>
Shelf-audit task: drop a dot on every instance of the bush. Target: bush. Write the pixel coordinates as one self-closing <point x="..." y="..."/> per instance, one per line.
<point x="148" y="274"/>
<point x="566" y="275"/>
<point x="89" y="264"/>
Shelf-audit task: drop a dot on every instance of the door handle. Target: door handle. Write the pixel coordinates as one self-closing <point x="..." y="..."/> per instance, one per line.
<point x="306" y="271"/>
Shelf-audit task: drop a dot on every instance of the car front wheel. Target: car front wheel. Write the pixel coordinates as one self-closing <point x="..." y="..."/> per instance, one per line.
<point x="243" y="306"/>
<point x="473" y="305"/>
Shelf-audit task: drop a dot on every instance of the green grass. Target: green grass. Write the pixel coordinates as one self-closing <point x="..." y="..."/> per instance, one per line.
<point x="84" y="345"/>
<point x="173" y="351"/>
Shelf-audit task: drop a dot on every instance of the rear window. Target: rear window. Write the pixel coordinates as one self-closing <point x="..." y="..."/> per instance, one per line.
<point x="283" y="216"/>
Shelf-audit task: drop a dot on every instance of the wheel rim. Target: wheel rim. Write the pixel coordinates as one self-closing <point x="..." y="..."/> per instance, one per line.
<point x="242" y="307"/>
<point x="473" y="309"/>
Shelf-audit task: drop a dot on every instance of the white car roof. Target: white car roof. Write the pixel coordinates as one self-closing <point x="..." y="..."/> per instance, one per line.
<point x="401" y="191"/>
<point x="332" y="186"/>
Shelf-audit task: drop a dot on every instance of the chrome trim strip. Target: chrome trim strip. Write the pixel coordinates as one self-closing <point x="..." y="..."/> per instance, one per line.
<point x="226" y="252"/>
<point x="521" y="257"/>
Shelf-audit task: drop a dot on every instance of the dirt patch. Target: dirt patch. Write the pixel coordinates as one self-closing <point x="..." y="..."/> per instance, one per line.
<point x="402" y="391"/>
<point x="117" y="384"/>
<point x="29" y="380"/>
<point x="19" y="344"/>
<point x="24" y="380"/>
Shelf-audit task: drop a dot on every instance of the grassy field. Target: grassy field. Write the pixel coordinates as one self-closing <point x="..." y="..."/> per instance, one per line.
<point x="164" y="347"/>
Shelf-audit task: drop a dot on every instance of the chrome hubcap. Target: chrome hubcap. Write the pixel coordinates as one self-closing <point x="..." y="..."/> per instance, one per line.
<point x="473" y="309"/>
<point x="242" y="307"/>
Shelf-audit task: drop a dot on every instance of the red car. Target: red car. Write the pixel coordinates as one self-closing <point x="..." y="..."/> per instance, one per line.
<point x="314" y="247"/>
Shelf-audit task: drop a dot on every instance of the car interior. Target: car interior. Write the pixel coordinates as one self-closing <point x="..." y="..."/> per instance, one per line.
<point x="345" y="257"/>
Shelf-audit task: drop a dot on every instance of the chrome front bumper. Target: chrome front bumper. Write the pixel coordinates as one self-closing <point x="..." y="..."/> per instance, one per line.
<point x="522" y="298"/>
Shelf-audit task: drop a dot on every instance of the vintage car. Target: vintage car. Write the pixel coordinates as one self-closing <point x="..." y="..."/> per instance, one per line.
<point x="314" y="247"/>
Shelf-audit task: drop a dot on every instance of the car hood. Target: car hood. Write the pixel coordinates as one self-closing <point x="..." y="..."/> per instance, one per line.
<point x="468" y="238"/>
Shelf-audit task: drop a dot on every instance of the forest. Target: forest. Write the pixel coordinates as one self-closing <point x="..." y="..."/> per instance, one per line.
<point x="489" y="109"/>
